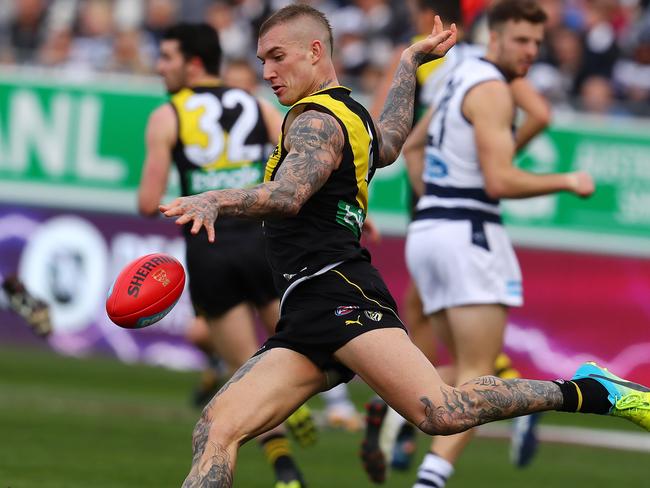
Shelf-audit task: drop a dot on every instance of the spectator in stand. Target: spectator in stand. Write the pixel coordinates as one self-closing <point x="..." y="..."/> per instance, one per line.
<point x="241" y="74"/>
<point x="557" y="76"/>
<point x="26" y="31"/>
<point x="129" y="55"/>
<point x="158" y="17"/>
<point x="92" y="47"/>
<point x="55" y="51"/>
<point x="235" y="32"/>
<point x="632" y="73"/>
<point x="600" y="50"/>
<point x="597" y="97"/>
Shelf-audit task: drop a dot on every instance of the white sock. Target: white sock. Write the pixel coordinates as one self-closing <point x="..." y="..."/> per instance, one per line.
<point x="389" y="429"/>
<point x="433" y="472"/>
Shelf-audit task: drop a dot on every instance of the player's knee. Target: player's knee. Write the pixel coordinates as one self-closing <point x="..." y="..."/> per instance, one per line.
<point x="212" y="426"/>
<point x="442" y="419"/>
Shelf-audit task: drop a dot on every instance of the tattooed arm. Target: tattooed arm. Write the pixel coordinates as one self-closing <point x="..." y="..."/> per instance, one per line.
<point x="397" y="116"/>
<point x="315" y="144"/>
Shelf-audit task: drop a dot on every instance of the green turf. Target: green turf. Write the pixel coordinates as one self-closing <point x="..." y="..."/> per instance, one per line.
<point x="96" y="423"/>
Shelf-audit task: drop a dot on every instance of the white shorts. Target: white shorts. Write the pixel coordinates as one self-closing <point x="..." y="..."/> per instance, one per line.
<point x="449" y="270"/>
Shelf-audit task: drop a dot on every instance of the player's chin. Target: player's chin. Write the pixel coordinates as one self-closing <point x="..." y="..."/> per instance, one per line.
<point x="523" y="69"/>
<point x="285" y="98"/>
<point x="286" y="101"/>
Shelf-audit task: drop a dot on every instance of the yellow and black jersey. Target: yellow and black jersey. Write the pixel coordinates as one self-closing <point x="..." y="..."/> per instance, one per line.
<point x="222" y="140"/>
<point x="328" y="227"/>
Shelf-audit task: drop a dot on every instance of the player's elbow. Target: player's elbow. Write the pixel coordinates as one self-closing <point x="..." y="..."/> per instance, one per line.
<point x="285" y="204"/>
<point x="543" y="116"/>
<point x="147" y="208"/>
<point x="292" y="208"/>
<point x="496" y="188"/>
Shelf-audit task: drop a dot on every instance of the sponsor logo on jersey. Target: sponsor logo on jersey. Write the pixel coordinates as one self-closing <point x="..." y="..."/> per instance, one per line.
<point x="200" y="180"/>
<point x="350" y="216"/>
<point x="373" y="315"/>
<point x="354" y="322"/>
<point x="345" y="309"/>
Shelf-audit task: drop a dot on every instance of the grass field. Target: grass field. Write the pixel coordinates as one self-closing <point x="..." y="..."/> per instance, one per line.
<point x="96" y="423"/>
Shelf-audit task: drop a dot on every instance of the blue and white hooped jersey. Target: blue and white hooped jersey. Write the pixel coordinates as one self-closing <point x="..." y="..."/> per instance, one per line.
<point x="452" y="172"/>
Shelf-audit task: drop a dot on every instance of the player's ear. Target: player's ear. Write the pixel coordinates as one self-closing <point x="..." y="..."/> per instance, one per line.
<point x="317" y="50"/>
<point x="494" y="36"/>
<point x="196" y="63"/>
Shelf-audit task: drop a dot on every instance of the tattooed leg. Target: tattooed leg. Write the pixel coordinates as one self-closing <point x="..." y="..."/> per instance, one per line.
<point x="405" y="379"/>
<point x="258" y="397"/>
<point x="211" y="462"/>
<point x="486" y="399"/>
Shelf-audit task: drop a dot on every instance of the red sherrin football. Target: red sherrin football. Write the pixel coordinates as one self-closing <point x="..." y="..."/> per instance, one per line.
<point x="145" y="291"/>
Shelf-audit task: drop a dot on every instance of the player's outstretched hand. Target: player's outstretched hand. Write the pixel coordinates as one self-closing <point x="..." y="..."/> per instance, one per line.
<point x="201" y="210"/>
<point x="582" y="184"/>
<point x="435" y="45"/>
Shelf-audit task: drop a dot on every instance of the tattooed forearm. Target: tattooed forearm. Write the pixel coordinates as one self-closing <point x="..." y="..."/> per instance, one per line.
<point x="486" y="399"/>
<point x="315" y="142"/>
<point x="396" y="118"/>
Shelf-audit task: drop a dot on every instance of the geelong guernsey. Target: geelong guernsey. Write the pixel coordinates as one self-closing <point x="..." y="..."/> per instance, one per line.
<point x="454" y="184"/>
<point x="327" y="228"/>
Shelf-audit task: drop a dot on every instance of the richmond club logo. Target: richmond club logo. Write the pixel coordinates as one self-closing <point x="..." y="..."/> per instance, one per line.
<point x="345" y="309"/>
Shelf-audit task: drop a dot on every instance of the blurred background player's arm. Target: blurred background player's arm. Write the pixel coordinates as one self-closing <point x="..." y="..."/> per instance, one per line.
<point x="537" y="111"/>
<point x="160" y="139"/>
<point x="272" y="119"/>
<point x="413" y="152"/>
<point x="489" y="108"/>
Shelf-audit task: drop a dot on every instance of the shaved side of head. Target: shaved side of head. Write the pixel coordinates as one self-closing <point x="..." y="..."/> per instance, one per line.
<point x="309" y="24"/>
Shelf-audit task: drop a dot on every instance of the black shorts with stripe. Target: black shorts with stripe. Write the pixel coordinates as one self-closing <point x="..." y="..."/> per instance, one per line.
<point x="323" y="313"/>
<point x="230" y="271"/>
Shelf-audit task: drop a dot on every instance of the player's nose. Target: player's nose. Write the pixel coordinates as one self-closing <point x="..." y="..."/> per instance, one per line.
<point x="268" y="73"/>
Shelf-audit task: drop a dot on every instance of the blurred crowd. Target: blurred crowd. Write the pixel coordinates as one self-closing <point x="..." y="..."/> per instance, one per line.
<point x="596" y="56"/>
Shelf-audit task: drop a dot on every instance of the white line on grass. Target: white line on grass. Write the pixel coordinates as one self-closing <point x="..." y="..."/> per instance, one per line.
<point x="613" y="439"/>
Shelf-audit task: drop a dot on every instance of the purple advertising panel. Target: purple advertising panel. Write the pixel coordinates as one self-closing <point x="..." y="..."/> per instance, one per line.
<point x="70" y="259"/>
<point x="577" y="306"/>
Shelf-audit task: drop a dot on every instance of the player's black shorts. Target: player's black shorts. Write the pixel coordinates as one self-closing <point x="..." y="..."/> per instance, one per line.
<point x="323" y="313"/>
<point x="229" y="271"/>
